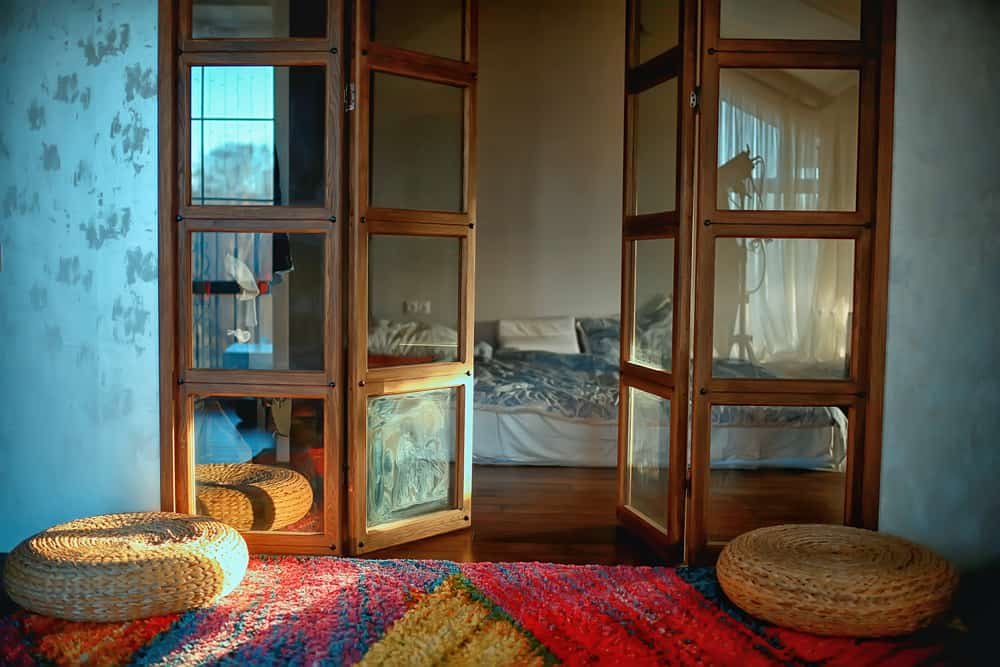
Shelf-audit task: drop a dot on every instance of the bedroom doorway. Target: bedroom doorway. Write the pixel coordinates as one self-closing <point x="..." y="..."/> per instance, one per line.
<point x="334" y="173"/>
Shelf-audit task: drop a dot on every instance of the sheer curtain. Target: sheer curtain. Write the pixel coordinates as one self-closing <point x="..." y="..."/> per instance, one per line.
<point x="801" y="136"/>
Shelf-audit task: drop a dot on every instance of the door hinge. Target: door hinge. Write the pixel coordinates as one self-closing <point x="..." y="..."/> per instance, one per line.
<point x="351" y="97"/>
<point x="694" y="99"/>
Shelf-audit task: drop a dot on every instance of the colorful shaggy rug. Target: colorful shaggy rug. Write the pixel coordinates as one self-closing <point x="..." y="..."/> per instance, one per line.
<point x="404" y="612"/>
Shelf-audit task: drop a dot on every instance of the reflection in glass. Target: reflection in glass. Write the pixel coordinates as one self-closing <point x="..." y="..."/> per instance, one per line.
<point x="648" y="455"/>
<point x="257" y="135"/>
<point x="659" y="26"/>
<point x="416" y="144"/>
<point x="773" y="465"/>
<point x="440" y="26"/>
<point x="413" y="299"/>
<point x="655" y="141"/>
<point x="236" y="19"/>
<point x="791" y="19"/>
<point x="412" y="441"/>
<point x="259" y="462"/>
<point x="783" y="307"/>
<point x="257" y="300"/>
<point x="652" y="335"/>
<point x="788" y="139"/>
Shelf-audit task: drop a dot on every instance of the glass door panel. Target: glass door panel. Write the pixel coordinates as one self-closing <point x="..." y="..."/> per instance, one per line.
<point x="239" y="19"/>
<point x="648" y="456"/>
<point x="257" y="300"/>
<point x="655" y="148"/>
<point x="772" y="465"/>
<point x="788" y="139"/>
<point x="259" y="463"/>
<point x="412" y="447"/>
<point x="257" y="135"/>
<point x="653" y="297"/>
<point x="414" y="296"/>
<point x="783" y="308"/>
<point x="441" y="23"/>
<point x="417" y="144"/>
<point x="659" y="27"/>
<point x="790" y="19"/>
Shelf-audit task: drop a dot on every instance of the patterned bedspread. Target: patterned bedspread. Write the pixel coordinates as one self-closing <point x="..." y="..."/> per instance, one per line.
<point x="585" y="387"/>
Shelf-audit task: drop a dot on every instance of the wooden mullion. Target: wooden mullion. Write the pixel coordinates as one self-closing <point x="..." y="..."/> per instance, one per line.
<point x="657" y="70"/>
<point x="651" y="225"/>
<point x="409" y="216"/>
<point x="254" y="378"/>
<point x="419" y="65"/>
<point x="783" y="386"/>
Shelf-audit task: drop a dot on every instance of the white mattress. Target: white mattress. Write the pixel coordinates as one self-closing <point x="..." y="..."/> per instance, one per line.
<point x="515" y="437"/>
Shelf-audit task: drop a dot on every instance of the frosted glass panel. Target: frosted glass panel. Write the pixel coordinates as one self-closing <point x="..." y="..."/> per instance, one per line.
<point x="439" y="25"/>
<point x="257" y="135"/>
<point x="791" y="19"/>
<point x="788" y="139"/>
<point x="656" y="148"/>
<point x="772" y="465"/>
<point x="648" y="455"/>
<point x="652" y="334"/>
<point x="258" y="18"/>
<point x="412" y="441"/>
<point x="413" y="299"/>
<point x="783" y="308"/>
<point x="416" y="144"/>
<point x="259" y="462"/>
<point x="256" y="300"/>
<point x="659" y="26"/>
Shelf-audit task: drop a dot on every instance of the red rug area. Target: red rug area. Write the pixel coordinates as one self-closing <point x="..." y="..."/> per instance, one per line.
<point x="335" y="611"/>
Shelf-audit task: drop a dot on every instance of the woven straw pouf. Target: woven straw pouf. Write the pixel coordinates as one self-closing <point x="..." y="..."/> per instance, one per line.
<point x="120" y="567"/>
<point x="249" y="496"/>
<point x="836" y="580"/>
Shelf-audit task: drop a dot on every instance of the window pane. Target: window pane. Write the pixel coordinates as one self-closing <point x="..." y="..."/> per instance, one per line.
<point x="791" y="19"/>
<point x="440" y="25"/>
<point x="259" y="462"/>
<point x="783" y="308"/>
<point x="257" y="300"/>
<point x="413" y="299"/>
<point x="652" y="335"/>
<point x="257" y="135"/>
<point x="774" y="465"/>
<point x="648" y="455"/>
<point x="655" y="140"/>
<point x="659" y="26"/>
<point x="258" y="18"/>
<point x="412" y="442"/>
<point x="788" y="139"/>
<point x="416" y="144"/>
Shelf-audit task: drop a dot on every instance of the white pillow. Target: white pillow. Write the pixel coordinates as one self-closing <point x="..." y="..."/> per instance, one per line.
<point x="547" y="334"/>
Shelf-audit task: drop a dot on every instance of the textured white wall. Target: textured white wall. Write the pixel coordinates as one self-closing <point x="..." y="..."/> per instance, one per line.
<point x="941" y="458"/>
<point x="78" y="322"/>
<point x="550" y="157"/>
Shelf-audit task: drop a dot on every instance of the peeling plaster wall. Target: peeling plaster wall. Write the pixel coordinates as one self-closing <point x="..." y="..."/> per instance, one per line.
<point x="78" y="324"/>
<point x="941" y="461"/>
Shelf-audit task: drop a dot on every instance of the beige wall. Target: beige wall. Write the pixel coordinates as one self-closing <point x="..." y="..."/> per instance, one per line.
<point x="550" y="157"/>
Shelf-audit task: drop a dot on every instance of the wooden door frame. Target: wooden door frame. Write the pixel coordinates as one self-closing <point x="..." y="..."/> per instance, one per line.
<point x="862" y="393"/>
<point x="368" y="57"/>
<point x="677" y="63"/>
<point x="179" y="384"/>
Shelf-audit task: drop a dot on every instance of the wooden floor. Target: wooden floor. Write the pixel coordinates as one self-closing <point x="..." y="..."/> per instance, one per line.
<point x="567" y="515"/>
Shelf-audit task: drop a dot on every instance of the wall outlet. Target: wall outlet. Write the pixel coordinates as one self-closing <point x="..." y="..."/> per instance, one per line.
<point x="411" y="307"/>
<point x="425" y="307"/>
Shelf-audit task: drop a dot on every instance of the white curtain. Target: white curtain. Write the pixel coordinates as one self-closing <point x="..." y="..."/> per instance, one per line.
<point x="798" y="291"/>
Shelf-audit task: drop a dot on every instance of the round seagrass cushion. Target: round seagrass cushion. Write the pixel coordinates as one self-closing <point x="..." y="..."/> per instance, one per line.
<point x="119" y="567"/>
<point x="836" y="580"/>
<point x="250" y="496"/>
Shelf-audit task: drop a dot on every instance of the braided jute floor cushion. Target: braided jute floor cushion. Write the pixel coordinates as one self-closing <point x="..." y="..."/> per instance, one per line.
<point x="836" y="580"/>
<point x="250" y="496"/>
<point x="119" y="567"/>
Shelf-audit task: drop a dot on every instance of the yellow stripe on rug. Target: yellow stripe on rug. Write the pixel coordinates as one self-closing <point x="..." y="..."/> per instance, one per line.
<point x="451" y="627"/>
